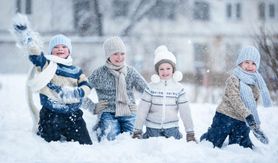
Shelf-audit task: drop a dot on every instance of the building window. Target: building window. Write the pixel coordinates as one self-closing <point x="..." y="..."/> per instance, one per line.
<point x="201" y="55"/>
<point x="121" y="8"/>
<point x="233" y="11"/>
<point x="201" y="11"/>
<point x="267" y="11"/>
<point x="164" y="9"/>
<point x="24" y="6"/>
<point x="83" y="19"/>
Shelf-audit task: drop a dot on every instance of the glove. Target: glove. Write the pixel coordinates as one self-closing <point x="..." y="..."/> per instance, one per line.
<point x="102" y="104"/>
<point x="258" y="133"/>
<point x="67" y="94"/>
<point x="190" y="136"/>
<point x="137" y="134"/>
<point x="22" y="29"/>
<point x="25" y="37"/>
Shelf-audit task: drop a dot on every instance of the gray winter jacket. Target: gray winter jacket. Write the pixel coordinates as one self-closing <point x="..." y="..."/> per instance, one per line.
<point x="104" y="83"/>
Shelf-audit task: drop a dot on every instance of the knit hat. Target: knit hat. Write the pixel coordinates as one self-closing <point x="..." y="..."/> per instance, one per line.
<point x="113" y="45"/>
<point x="163" y="55"/>
<point x="249" y="53"/>
<point x="59" y="39"/>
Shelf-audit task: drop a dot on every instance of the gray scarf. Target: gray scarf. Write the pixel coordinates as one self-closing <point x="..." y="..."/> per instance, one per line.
<point x="122" y="101"/>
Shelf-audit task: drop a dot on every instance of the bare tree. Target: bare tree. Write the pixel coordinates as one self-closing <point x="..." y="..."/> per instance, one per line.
<point x="143" y="7"/>
<point x="268" y="46"/>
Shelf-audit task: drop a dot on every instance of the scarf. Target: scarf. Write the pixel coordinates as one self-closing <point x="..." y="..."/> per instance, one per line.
<point x="38" y="80"/>
<point x="246" y="94"/>
<point x="122" y="101"/>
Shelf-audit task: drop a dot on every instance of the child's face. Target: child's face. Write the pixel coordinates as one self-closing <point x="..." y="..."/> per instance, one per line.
<point x="248" y="66"/>
<point x="165" y="71"/>
<point x="117" y="59"/>
<point x="61" y="51"/>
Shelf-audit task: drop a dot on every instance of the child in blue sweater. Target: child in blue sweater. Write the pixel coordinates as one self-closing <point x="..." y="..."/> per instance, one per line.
<point x="61" y="87"/>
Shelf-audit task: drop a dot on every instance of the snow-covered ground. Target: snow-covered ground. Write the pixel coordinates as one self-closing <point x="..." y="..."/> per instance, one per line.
<point x="18" y="143"/>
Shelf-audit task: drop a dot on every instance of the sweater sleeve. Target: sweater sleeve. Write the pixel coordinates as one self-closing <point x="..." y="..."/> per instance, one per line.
<point x="185" y="112"/>
<point x="143" y="109"/>
<point x="139" y="82"/>
<point x="233" y="93"/>
<point x="84" y="85"/>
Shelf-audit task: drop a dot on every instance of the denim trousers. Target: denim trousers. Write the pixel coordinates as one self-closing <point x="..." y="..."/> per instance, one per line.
<point x="110" y="126"/>
<point x="169" y="132"/>
<point x="224" y="126"/>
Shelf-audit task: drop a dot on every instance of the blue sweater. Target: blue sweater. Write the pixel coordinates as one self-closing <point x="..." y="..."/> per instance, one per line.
<point x="65" y="76"/>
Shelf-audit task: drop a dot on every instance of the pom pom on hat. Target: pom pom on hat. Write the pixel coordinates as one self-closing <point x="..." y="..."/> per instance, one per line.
<point x="177" y="76"/>
<point x="113" y="45"/>
<point x="59" y="39"/>
<point x="249" y="53"/>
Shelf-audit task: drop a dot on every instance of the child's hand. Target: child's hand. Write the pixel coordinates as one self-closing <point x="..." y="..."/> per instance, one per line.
<point x="67" y="94"/>
<point x="190" y="136"/>
<point x="256" y="129"/>
<point x="137" y="134"/>
<point x="102" y="104"/>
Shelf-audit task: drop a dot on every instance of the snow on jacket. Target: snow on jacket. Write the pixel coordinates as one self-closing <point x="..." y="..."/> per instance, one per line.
<point x="105" y="85"/>
<point x="65" y="76"/>
<point x="231" y="104"/>
<point x="160" y="105"/>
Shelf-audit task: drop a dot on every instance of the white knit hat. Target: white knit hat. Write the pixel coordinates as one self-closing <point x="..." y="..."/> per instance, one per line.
<point x="162" y="53"/>
<point x="113" y="45"/>
<point x="249" y="53"/>
<point x="59" y="39"/>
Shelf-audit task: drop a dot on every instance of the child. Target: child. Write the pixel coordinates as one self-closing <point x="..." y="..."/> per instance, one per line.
<point x="61" y="87"/>
<point x="114" y="83"/>
<point x="237" y="113"/>
<point x="163" y="100"/>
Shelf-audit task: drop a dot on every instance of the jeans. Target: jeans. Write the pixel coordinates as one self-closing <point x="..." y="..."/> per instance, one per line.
<point x="111" y="126"/>
<point x="224" y="126"/>
<point x="169" y="132"/>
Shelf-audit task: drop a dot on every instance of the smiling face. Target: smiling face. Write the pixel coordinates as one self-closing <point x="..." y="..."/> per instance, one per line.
<point x="117" y="59"/>
<point x="61" y="51"/>
<point x="248" y="66"/>
<point x="165" y="71"/>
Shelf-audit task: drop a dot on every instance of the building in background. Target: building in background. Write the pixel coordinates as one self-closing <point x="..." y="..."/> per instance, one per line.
<point x="205" y="35"/>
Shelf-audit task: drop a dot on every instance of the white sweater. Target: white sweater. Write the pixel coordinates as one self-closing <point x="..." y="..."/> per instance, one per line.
<point x="160" y="105"/>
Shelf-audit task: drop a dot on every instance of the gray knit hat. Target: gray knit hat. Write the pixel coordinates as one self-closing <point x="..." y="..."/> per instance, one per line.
<point x="249" y="53"/>
<point x="113" y="45"/>
<point x="59" y="39"/>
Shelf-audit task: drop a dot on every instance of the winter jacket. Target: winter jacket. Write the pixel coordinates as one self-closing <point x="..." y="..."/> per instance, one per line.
<point x="65" y="76"/>
<point x="105" y="85"/>
<point x="160" y="105"/>
<point x="231" y="104"/>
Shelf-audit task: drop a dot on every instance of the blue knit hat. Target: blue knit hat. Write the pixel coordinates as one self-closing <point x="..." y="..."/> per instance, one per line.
<point x="59" y="39"/>
<point x="249" y="53"/>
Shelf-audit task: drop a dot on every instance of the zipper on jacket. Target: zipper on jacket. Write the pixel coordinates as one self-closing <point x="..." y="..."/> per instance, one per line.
<point x="163" y="104"/>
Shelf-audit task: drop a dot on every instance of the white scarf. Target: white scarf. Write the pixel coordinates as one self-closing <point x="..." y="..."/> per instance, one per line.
<point x="122" y="101"/>
<point x="41" y="79"/>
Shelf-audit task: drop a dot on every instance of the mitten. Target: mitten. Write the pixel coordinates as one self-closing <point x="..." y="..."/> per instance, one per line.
<point x="256" y="129"/>
<point x="190" y="136"/>
<point x="102" y="104"/>
<point x="67" y="94"/>
<point x="137" y="134"/>
<point x="25" y="37"/>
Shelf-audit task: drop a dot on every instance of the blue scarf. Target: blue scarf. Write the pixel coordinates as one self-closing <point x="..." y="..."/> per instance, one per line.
<point x="246" y="94"/>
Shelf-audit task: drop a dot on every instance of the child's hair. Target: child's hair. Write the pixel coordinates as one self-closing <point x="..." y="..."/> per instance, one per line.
<point x="59" y="39"/>
<point x="249" y="53"/>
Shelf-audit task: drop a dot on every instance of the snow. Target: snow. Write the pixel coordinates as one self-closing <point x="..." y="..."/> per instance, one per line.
<point x="18" y="143"/>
